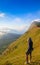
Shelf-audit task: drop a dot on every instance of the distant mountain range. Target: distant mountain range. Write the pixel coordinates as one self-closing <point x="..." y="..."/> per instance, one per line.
<point x="9" y="30"/>
<point x="6" y="39"/>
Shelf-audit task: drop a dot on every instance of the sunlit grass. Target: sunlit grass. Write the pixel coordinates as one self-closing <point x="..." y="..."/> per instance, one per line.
<point x="16" y="51"/>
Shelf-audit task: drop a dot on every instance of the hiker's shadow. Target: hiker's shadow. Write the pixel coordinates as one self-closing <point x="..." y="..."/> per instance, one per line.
<point x="35" y="63"/>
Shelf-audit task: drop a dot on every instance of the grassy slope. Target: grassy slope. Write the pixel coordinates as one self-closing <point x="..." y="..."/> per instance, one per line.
<point x="15" y="53"/>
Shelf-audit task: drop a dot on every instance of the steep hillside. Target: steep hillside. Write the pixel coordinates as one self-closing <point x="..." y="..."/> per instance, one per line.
<point x="15" y="53"/>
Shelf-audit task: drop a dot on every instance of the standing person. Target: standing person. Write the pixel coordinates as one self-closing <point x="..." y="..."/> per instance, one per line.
<point x="30" y="49"/>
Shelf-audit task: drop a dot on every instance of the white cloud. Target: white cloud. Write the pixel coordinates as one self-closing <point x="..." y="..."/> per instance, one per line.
<point x="38" y="20"/>
<point x="21" y="24"/>
<point x="20" y="29"/>
<point x="17" y="20"/>
<point x="2" y="14"/>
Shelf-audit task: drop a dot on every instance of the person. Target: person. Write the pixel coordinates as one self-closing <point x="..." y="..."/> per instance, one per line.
<point x="30" y="49"/>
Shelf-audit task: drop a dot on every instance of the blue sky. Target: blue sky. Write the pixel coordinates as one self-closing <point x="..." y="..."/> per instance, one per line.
<point x="18" y="14"/>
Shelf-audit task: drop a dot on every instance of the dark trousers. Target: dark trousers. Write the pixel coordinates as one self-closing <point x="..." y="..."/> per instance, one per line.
<point x="29" y="52"/>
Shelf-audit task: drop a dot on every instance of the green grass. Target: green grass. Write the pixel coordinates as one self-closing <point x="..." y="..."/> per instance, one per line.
<point x="15" y="53"/>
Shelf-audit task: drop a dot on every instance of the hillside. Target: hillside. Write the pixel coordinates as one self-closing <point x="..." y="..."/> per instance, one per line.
<point x="7" y="39"/>
<point x="15" y="53"/>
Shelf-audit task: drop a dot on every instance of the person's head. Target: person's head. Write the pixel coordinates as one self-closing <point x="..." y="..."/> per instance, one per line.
<point x="29" y="38"/>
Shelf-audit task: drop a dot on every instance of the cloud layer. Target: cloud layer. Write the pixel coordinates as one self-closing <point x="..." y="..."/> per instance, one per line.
<point x="2" y="14"/>
<point x="20" y="24"/>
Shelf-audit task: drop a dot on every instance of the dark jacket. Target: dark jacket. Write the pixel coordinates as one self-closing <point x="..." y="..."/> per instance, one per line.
<point x="30" y="44"/>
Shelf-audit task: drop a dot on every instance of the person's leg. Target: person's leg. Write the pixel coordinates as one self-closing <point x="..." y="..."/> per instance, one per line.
<point x="30" y="56"/>
<point x="27" y="54"/>
<point x="27" y="58"/>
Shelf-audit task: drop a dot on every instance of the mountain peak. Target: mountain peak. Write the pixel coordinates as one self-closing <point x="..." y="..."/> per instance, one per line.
<point x="36" y="23"/>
